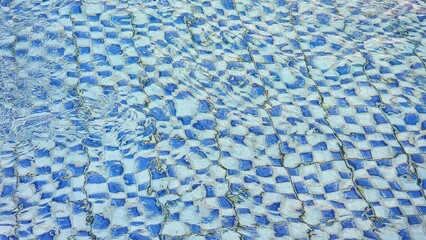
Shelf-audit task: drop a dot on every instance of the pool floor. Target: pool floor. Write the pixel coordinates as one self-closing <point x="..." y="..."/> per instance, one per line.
<point x="224" y="119"/>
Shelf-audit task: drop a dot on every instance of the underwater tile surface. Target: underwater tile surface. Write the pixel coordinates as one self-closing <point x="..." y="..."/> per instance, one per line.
<point x="224" y="119"/>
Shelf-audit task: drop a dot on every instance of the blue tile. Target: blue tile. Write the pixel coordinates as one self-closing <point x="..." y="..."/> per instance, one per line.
<point x="332" y="187"/>
<point x="113" y="49"/>
<point x="100" y="222"/>
<point x="264" y="171"/>
<point x="224" y="203"/>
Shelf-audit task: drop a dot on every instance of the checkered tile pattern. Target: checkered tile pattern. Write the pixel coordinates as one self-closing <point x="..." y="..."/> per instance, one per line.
<point x="212" y="119"/>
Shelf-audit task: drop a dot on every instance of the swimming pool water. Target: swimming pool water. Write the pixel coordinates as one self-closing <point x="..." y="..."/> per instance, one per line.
<point x="223" y="119"/>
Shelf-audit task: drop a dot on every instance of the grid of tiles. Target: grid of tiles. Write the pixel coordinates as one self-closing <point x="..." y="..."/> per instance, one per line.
<point x="212" y="119"/>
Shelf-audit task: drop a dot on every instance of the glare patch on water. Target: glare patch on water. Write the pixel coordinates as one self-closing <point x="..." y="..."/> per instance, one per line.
<point x="32" y="61"/>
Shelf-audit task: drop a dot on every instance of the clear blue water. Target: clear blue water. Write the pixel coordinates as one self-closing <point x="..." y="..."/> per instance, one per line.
<point x="212" y="119"/>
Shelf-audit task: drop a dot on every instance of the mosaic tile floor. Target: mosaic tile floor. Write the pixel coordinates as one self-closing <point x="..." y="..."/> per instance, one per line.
<point x="285" y="119"/>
